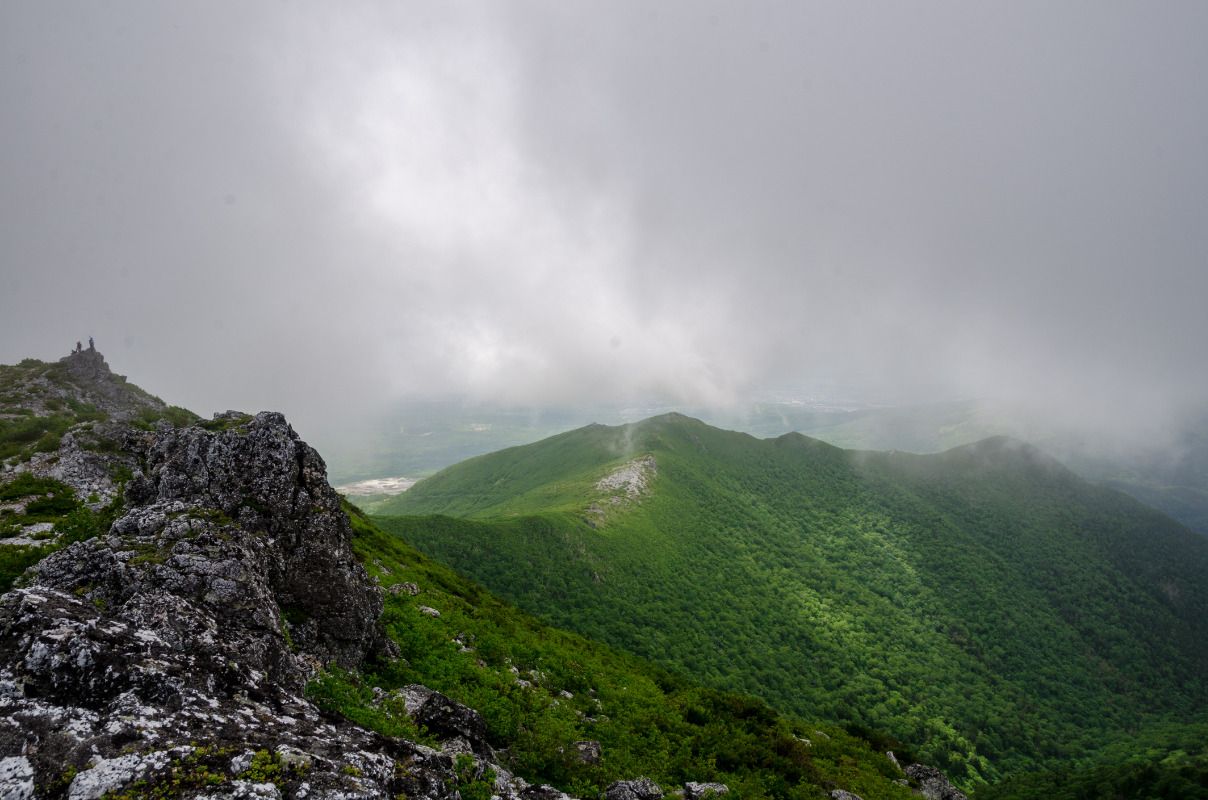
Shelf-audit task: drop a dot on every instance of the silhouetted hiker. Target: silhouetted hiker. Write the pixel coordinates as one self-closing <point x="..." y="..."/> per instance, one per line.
<point x="91" y="346"/>
<point x="79" y="347"/>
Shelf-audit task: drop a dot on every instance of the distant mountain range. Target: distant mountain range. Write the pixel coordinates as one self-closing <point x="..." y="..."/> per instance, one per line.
<point x="1168" y="471"/>
<point x="985" y="604"/>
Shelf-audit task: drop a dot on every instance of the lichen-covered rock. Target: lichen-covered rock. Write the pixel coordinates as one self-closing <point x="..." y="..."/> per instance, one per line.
<point x="445" y="718"/>
<point x="175" y="647"/>
<point x="840" y="794"/>
<point x="638" y="789"/>
<point x="16" y="778"/>
<point x="700" y="791"/>
<point x="264" y="478"/>
<point x="933" y="784"/>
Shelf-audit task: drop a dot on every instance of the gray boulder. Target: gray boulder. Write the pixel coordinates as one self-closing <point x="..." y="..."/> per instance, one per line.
<point x="446" y="718"/>
<point x="933" y="784"/>
<point x="637" y="789"/>
<point x="700" y="791"/>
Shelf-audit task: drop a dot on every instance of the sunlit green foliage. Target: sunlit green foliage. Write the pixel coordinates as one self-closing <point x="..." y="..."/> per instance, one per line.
<point x="483" y="652"/>
<point x="985" y="604"/>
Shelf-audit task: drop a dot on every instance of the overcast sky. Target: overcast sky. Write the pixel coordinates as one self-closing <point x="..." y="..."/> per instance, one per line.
<point x="320" y="207"/>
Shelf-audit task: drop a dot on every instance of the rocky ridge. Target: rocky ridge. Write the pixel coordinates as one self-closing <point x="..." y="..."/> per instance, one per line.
<point x="171" y="652"/>
<point x="168" y="654"/>
<point x="228" y="581"/>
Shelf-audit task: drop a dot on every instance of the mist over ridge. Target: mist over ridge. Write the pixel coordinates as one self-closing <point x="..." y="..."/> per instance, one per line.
<point x="611" y="205"/>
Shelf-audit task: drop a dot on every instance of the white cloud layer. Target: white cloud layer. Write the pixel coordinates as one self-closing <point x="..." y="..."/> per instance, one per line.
<point x="322" y="207"/>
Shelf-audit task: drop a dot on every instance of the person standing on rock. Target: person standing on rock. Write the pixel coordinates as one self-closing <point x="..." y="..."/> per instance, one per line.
<point x="91" y="345"/>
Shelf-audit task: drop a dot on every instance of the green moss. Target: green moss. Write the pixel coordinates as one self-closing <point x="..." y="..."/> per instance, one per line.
<point x="346" y="694"/>
<point x="202" y="769"/>
<point x="266" y="767"/>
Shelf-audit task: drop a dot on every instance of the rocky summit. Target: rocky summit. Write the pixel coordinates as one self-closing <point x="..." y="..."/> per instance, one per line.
<point x="169" y="653"/>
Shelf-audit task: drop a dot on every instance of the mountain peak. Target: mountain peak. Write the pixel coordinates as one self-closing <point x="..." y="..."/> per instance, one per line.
<point x="87" y="364"/>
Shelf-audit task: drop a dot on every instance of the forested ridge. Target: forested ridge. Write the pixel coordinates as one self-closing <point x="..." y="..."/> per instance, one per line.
<point x="541" y="691"/>
<point x="985" y="604"/>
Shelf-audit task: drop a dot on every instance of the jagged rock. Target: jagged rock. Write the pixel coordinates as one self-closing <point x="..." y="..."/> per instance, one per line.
<point x="700" y="791"/>
<point x="404" y="588"/>
<point x="588" y="752"/>
<point x="933" y="784"/>
<point x="839" y="794"/>
<point x="638" y="789"/>
<point x="198" y="618"/>
<point x="893" y="759"/>
<point x="446" y="718"/>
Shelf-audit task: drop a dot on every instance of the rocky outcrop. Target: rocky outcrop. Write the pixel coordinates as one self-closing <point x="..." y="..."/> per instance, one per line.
<point x="446" y="719"/>
<point x="932" y="783"/>
<point x="702" y="791"/>
<point x="622" y="487"/>
<point x="89" y="380"/>
<point x="176" y="646"/>
<point x="638" y="789"/>
<point x="263" y="479"/>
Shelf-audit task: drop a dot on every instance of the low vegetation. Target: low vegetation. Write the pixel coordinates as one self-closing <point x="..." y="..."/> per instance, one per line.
<point x="541" y="690"/>
<point x="44" y="500"/>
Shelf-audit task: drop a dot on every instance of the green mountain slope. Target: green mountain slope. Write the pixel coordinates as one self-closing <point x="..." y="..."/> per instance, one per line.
<point x="541" y="690"/>
<point x="984" y="604"/>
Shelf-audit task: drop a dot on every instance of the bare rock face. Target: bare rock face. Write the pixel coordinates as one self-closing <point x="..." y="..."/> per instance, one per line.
<point x="933" y="784"/>
<point x="183" y="638"/>
<point x="446" y="718"/>
<point x="262" y="477"/>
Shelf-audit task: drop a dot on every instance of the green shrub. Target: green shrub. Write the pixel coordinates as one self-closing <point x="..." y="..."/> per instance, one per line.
<point x="28" y="485"/>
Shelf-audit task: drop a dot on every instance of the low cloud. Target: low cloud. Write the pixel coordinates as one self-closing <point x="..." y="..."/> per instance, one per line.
<point x="326" y="210"/>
